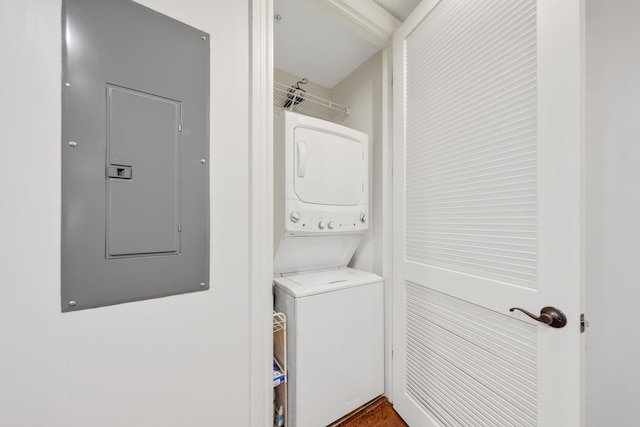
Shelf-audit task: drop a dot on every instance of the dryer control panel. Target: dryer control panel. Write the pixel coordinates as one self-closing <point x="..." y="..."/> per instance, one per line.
<point x="327" y="222"/>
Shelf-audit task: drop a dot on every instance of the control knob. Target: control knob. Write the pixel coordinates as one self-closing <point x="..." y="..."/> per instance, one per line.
<point x="330" y="225"/>
<point x="321" y="225"/>
<point x="294" y="217"/>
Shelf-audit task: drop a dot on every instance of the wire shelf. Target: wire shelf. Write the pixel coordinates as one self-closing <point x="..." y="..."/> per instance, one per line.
<point x="280" y="365"/>
<point x="279" y="322"/>
<point x="290" y="99"/>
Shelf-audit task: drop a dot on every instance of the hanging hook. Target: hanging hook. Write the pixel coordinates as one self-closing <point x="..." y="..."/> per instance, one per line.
<point x="296" y="94"/>
<point x="304" y="81"/>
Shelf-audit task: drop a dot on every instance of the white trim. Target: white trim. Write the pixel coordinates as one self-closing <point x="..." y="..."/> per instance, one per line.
<point x="583" y="207"/>
<point x="365" y="17"/>
<point x="387" y="213"/>
<point x="397" y="229"/>
<point x="261" y="212"/>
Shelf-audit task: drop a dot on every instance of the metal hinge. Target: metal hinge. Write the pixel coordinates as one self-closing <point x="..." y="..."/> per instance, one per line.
<point x="583" y="323"/>
<point x="180" y="127"/>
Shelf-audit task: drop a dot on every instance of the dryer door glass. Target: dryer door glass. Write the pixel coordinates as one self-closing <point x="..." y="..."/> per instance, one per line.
<point x="328" y="169"/>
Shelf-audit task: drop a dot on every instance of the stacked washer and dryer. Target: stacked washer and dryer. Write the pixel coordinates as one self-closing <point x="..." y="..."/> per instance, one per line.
<point x="335" y="321"/>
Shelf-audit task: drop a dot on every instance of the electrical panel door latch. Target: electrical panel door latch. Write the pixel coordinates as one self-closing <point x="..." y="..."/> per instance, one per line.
<point x="119" y="172"/>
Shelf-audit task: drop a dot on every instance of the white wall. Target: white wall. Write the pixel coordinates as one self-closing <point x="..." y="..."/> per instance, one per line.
<point x="176" y="361"/>
<point x="362" y="91"/>
<point x="613" y="212"/>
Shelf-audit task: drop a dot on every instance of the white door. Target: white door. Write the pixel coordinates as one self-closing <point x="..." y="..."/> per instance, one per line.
<point x="487" y="199"/>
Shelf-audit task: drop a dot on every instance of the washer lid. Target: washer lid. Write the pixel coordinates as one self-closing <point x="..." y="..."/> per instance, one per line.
<point x="317" y="282"/>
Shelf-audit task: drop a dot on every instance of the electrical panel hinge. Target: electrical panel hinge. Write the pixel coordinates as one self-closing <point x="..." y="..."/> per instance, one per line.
<point x="180" y="127"/>
<point x="583" y="323"/>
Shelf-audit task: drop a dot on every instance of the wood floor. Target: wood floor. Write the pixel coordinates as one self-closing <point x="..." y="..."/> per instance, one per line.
<point x="378" y="413"/>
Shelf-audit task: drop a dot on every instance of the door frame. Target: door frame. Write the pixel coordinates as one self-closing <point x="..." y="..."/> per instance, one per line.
<point x="260" y="224"/>
<point x="377" y="25"/>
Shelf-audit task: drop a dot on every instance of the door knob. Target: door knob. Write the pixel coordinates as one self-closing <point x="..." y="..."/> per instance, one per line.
<point x="548" y="315"/>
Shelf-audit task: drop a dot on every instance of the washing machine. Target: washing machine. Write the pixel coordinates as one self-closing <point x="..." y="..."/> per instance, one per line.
<point x="335" y="325"/>
<point x="335" y="339"/>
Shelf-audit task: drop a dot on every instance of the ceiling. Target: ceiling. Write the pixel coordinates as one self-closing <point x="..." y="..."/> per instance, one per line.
<point x="398" y="8"/>
<point x="309" y="42"/>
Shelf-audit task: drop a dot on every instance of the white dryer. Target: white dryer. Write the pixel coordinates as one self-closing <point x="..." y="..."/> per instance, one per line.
<point x="335" y="339"/>
<point x="335" y="325"/>
<point x="321" y="193"/>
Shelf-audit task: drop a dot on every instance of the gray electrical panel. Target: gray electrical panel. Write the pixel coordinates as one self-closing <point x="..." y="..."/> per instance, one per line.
<point x="135" y="149"/>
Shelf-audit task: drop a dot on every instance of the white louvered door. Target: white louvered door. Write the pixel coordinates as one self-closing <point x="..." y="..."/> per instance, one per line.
<point x="488" y="212"/>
